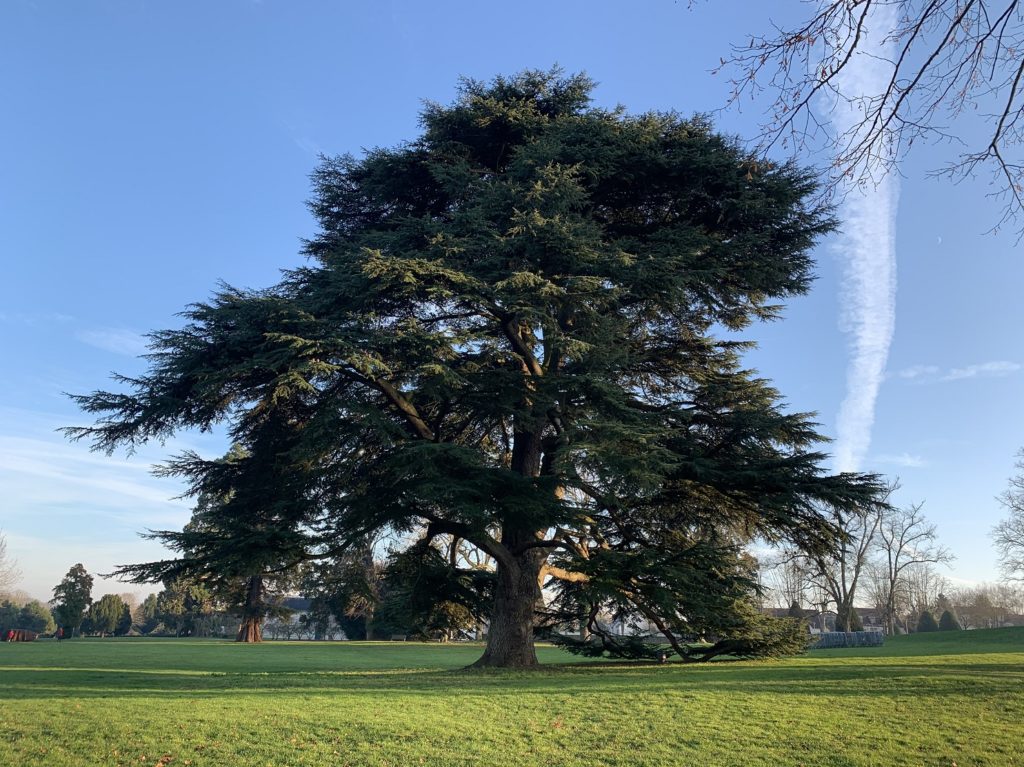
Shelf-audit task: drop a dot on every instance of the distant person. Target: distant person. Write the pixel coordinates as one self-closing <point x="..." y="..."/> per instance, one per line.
<point x="60" y="633"/>
<point x="10" y="635"/>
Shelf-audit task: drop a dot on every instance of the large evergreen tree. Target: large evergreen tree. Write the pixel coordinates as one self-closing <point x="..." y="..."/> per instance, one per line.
<point x="71" y="598"/>
<point x="519" y="330"/>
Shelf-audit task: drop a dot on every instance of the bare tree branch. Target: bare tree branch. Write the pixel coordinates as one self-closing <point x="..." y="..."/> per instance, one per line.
<point x="1009" y="534"/>
<point x="906" y="540"/>
<point x="946" y="62"/>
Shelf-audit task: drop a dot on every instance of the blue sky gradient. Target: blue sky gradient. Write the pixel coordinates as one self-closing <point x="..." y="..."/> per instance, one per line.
<point x="149" y="149"/>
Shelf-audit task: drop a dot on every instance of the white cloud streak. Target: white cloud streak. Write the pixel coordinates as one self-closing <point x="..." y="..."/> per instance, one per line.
<point x="903" y="459"/>
<point x="919" y="371"/>
<point x="996" y="368"/>
<point x="867" y="250"/>
<point x="933" y="373"/>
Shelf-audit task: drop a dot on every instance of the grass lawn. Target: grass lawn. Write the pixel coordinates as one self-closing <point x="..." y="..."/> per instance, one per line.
<point x="934" y="699"/>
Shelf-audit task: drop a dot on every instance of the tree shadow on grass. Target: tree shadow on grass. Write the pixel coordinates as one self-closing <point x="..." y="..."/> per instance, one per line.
<point x="855" y="680"/>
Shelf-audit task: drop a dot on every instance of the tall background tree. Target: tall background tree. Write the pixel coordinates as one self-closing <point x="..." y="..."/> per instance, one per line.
<point x="839" y="573"/>
<point x="146" y="615"/>
<point x="907" y="543"/>
<point x="72" y="598"/>
<point x="1009" y="533"/>
<point x="242" y="541"/>
<point x="182" y="605"/>
<point x="955" y="72"/>
<point x="9" y="572"/>
<point x="507" y="334"/>
<point x="107" y="614"/>
<point x="349" y="588"/>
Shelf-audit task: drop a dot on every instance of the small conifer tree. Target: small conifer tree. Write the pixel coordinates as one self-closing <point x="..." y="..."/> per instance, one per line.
<point x="948" y="622"/>
<point x="927" y="622"/>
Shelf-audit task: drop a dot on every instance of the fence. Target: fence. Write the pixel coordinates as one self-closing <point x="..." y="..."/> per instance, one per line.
<point x="832" y="639"/>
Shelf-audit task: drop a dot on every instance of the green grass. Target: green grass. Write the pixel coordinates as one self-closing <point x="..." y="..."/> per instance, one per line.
<point x="932" y="699"/>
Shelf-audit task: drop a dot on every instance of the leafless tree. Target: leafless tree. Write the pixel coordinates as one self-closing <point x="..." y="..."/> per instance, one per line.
<point x="9" y="572"/>
<point x="876" y="587"/>
<point x="923" y="585"/>
<point x="130" y="598"/>
<point x="785" y="576"/>
<point x="1009" y="534"/>
<point x="980" y="607"/>
<point x="839" y="573"/>
<point x="906" y="540"/>
<point x="943" y="63"/>
<point x="1010" y="596"/>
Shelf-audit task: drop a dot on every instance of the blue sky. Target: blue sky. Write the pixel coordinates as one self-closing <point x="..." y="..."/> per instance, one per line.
<point x="149" y="149"/>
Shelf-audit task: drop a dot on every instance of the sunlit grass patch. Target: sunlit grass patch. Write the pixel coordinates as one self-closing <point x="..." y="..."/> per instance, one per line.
<point x="921" y="700"/>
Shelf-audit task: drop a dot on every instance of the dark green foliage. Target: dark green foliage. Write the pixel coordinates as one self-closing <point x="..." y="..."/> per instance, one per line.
<point x="35" y="616"/>
<point x="72" y="598"/>
<point x="349" y="588"/>
<point x="124" y="625"/>
<point x="608" y="645"/>
<point x="239" y="542"/>
<point x="106" y="614"/>
<point x="10" y="617"/>
<point x="429" y="596"/>
<point x="948" y="622"/>
<point x="854" y="623"/>
<point x="795" y="610"/>
<point x="757" y="636"/>
<point x="182" y="606"/>
<point x="507" y="335"/>
<point x="927" y="622"/>
<point x="32" y="616"/>
<point x="148" y="617"/>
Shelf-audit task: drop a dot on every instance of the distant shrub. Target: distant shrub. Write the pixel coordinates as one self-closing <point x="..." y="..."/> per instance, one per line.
<point x="948" y="622"/>
<point x="927" y="622"/>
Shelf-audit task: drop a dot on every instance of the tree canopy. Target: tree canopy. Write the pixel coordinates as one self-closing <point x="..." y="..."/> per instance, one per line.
<point x="519" y="330"/>
<point x="72" y="597"/>
<point x="107" y="615"/>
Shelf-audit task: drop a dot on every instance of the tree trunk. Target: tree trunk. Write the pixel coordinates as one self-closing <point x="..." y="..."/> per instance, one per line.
<point x="368" y="623"/>
<point x="510" y="633"/>
<point x="252" y="612"/>
<point x="249" y="631"/>
<point x="517" y="590"/>
<point x="890" y="614"/>
<point x="847" y="618"/>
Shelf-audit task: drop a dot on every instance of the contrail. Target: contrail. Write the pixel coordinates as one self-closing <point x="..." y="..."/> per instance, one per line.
<point x="866" y="247"/>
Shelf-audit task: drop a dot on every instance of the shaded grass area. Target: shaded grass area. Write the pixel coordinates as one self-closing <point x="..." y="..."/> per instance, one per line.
<point x="921" y="700"/>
